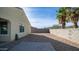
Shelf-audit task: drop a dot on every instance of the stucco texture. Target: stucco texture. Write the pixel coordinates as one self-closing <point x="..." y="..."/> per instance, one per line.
<point x="71" y="34"/>
<point x="16" y="17"/>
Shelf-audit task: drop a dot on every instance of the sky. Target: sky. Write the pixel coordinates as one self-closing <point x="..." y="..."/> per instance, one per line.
<point x="42" y="17"/>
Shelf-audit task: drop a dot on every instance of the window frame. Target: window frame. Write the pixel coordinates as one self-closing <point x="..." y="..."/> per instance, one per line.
<point x="21" y="28"/>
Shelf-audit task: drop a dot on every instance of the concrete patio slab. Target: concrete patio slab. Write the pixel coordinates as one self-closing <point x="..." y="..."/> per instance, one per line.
<point x="33" y="46"/>
<point x="3" y="49"/>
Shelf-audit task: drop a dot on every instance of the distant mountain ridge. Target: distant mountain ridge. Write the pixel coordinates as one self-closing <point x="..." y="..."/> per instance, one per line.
<point x="42" y="30"/>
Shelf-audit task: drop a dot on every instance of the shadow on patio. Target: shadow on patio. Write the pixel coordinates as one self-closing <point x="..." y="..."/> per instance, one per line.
<point x="59" y="46"/>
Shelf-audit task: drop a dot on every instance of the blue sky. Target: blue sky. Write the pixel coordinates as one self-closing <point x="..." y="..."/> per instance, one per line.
<point x="42" y="17"/>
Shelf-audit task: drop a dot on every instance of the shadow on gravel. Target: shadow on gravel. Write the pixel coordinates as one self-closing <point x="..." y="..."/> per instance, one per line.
<point x="59" y="46"/>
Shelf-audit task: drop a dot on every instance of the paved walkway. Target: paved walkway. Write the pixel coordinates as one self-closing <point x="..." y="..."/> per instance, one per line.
<point x="41" y="42"/>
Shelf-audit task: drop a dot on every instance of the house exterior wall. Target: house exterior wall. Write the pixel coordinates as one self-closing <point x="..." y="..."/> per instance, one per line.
<point x="16" y="17"/>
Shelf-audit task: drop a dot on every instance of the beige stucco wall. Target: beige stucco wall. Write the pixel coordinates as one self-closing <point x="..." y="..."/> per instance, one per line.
<point x="69" y="34"/>
<point x="16" y="17"/>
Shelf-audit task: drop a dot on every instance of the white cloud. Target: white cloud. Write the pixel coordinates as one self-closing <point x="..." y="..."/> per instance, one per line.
<point x="41" y="23"/>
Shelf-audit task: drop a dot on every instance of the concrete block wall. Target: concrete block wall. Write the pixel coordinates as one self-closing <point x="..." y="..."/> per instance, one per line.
<point x="70" y="34"/>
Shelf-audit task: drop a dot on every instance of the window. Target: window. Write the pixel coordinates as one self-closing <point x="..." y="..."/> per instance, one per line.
<point x="21" y="28"/>
<point x="3" y="28"/>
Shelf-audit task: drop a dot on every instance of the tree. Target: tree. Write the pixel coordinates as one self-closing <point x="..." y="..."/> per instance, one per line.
<point x="68" y="14"/>
<point x="56" y="26"/>
<point x="73" y="15"/>
<point x="61" y="16"/>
